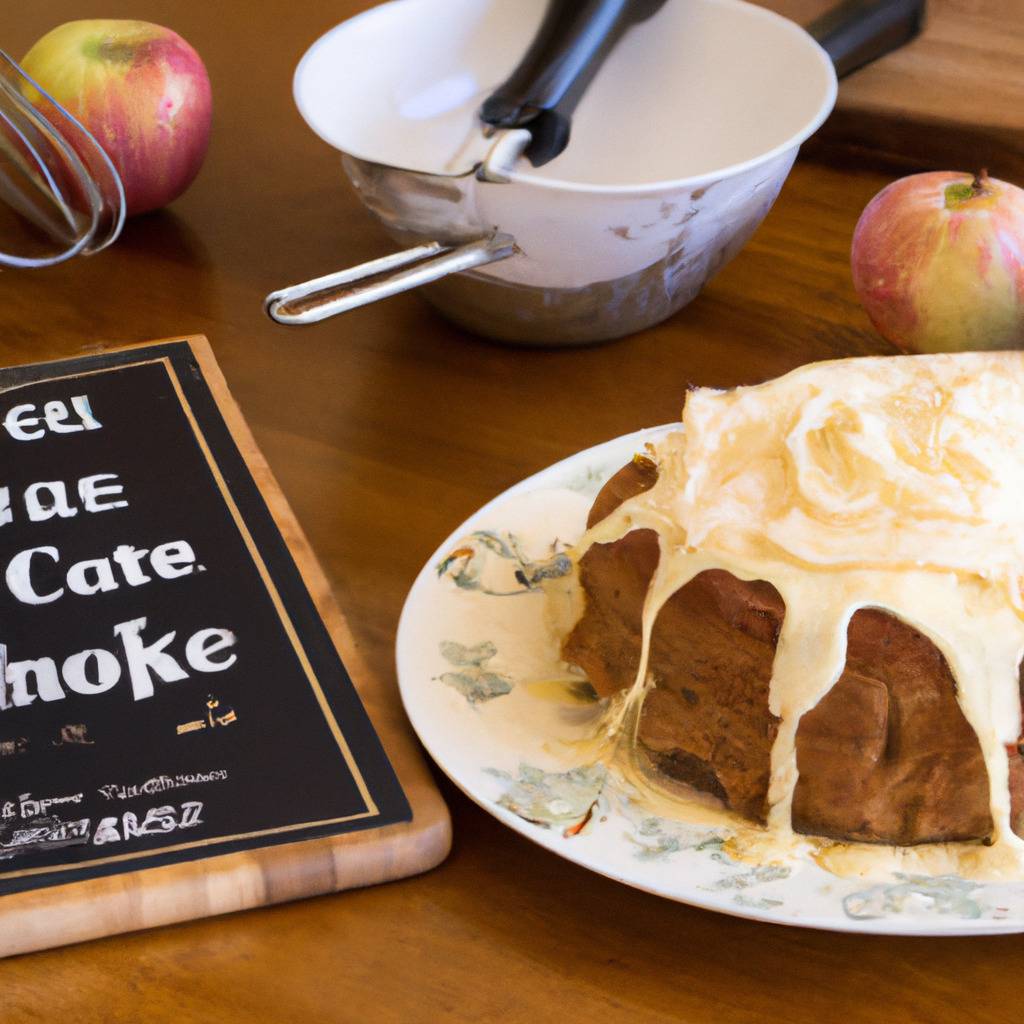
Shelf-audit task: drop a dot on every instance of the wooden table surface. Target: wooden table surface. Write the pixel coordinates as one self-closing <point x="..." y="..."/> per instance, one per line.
<point x="386" y="428"/>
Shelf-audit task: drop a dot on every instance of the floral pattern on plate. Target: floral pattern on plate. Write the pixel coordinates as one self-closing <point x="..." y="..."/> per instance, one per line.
<point x="471" y="677"/>
<point x="514" y="738"/>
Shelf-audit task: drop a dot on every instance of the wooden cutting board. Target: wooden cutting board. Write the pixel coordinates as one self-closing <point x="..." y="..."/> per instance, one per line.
<point x="953" y="99"/>
<point x="93" y="901"/>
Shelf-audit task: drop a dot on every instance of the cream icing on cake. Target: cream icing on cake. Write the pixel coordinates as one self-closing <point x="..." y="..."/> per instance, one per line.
<point x="891" y="482"/>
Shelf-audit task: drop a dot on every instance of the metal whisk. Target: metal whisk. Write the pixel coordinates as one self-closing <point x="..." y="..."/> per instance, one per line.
<point x="60" y="196"/>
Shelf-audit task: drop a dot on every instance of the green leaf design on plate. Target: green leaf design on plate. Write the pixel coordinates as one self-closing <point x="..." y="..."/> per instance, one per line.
<point x="465" y="564"/>
<point x="756" y="902"/>
<point x="760" y="875"/>
<point x="943" y="894"/>
<point x="658" y="839"/>
<point x="553" y="799"/>
<point x="459" y="654"/>
<point x="473" y="680"/>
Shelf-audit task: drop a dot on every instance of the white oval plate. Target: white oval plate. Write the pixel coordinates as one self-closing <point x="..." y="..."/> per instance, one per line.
<point x="471" y="645"/>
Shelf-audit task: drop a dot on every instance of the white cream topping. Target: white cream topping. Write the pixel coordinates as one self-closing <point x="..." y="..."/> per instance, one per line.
<point x="893" y="483"/>
<point x="884" y="462"/>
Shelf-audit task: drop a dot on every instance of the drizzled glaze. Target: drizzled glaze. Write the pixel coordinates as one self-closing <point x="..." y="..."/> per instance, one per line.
<point x="893" y="483"/>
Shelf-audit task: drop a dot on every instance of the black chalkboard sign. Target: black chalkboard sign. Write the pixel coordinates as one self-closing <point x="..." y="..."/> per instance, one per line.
<point x="168" y="690"/>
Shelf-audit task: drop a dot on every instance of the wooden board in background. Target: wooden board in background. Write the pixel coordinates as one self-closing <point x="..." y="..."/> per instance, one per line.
<point x="99" y="906"/>
<point x="953" y="99"/>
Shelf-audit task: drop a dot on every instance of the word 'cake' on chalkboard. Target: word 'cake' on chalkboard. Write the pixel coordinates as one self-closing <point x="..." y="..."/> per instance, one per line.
<point x="168" y="690"/>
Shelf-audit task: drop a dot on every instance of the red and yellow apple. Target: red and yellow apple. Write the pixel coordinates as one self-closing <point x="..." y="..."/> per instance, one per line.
<point x="938" y="262"/>
<point x="141" y="90"/>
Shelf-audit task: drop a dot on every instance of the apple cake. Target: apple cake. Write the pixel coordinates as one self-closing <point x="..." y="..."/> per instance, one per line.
<point x="814" y="589"/>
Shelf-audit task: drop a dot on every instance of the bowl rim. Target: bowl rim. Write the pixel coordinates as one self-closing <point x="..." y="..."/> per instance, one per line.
<point x="531" y="178"/>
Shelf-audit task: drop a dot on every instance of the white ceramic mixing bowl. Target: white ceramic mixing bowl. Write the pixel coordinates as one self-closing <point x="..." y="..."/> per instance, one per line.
<point x="678" y="149"/>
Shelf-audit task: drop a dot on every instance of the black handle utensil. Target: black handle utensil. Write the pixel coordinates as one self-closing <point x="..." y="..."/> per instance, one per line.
<point x="856" y="32"/>
<point x="576" y="36"/>
<point x="542" y="92"/>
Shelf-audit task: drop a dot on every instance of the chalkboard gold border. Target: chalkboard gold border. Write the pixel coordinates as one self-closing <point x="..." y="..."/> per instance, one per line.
<point x="372" y="809"/>
<point x="256" y="874"/>
<point x="430" y="836"/>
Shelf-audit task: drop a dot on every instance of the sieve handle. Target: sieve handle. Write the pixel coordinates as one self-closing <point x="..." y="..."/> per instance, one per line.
<point x="327" y="296"/>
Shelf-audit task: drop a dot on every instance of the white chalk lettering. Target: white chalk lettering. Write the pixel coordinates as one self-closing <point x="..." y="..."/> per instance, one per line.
<point x="203" y="645"/>
<point x="43" y="672"/>
<point x="157" y="821"/>
<point x="76" y="674"/>
<point x="91" y="490"/>
<point x="176" y="558"/>
<point x="19" y="422"/>
<point x="19" y="576"/>
<point x="80" y="403"/>
<point x="97" y="670"/>
<point x="129" y="559"/>
<point x="106" y="832"/>
<point x="56" y="416"/>
<point x="48" y="499"/>
<point x="96" y="575"/>
<point x="158" y="784"/>
<point x="29" y="807"/>
<point x="145" y="660"/>
<point x="91" y="576"/>
<point x="190" y="811"/>
<point x="23" y="422"/>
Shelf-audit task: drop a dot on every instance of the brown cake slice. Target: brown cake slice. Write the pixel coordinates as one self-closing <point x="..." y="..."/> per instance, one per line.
<point x="886" y="756"/>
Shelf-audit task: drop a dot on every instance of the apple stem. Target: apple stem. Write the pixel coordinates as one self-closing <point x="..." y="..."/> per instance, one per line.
<point x="960" y="192"/>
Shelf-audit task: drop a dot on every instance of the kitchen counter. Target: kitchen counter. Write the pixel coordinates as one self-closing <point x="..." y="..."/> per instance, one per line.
<point x="386" y="428"/>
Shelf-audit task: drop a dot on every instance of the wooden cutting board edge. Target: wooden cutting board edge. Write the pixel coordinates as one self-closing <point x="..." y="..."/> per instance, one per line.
<point x="93" y="908"/>
<point x="952" y="99"/>
<point x="892" y="142"/>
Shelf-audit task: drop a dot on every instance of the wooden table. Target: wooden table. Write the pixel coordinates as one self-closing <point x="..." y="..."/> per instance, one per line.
<point x="385" y="429"/>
